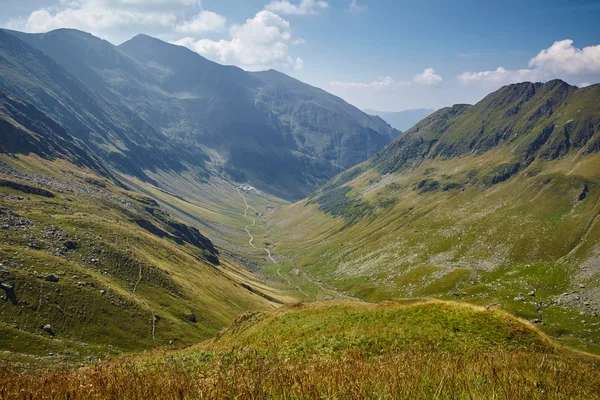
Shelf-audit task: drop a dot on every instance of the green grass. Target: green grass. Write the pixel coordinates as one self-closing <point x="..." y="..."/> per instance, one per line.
<point x="336" y="328"/>
<point x="93" y="304"/>
<point x="527" y="233"/>
<point x="405" y="349"/>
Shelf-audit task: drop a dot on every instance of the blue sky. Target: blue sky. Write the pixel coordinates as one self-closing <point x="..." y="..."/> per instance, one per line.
<point x="379" y="54"/>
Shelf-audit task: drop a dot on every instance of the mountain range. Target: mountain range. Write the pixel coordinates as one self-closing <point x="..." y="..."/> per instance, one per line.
<point x="264" y="128"/>
<point x="497" y="202"/>
<point x="149" y="196"/>
<point x="402" y="120"/>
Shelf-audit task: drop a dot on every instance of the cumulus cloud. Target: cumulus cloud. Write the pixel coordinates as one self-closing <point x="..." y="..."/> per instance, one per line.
<point x="563" y="57"/>
<point x="384" y="83"/>
<point x="305" y="7"/>
<point x="355" y="7"/>
<point x="206" y="21"/>
<point x="499" y="76"/>
<point x="560" y="60"/>
<point x="428" y="77"/>
<point x="261" y="42"/>
<point x="118" y="19"/>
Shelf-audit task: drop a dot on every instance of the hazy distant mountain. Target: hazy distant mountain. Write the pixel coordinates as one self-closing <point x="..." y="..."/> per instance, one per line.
<point x="115" y="132"/>
<point x="26" y="130"/>
<point x="272" y="130"/>
<point x="402" y="120"/>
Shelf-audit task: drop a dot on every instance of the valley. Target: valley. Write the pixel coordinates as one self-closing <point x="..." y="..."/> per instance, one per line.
<point x="171" y="227"/>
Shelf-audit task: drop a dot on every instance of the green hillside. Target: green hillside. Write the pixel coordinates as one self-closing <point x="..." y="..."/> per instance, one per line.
<point x="495" y="203"/>
<point x="90" y="268"/>
<point x="404" y="349"/>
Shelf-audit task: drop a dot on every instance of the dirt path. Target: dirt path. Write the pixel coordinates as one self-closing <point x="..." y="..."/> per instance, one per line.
<point x="145" y="302"/>
<point x="249" y="207"/>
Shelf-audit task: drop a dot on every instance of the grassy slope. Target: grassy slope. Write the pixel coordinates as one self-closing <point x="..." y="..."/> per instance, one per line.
<point x="177" y="279"/>
<point x="218" y="208"/>
<point x="395" y="350"/>
<point x="398" y="235"/>
<point x="443" y="243"/>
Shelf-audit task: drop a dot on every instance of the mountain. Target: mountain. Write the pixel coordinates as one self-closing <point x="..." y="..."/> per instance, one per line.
<point x="110" y="129"/>
<point x="402" y="120"/>
<point x="265" y="128"/>
<point x="496" y="202"/>
<point x="89" y="268"/>
<point x="26" y="130"/>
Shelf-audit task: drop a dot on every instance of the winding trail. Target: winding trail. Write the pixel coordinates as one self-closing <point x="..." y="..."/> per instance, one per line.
<point x="145" y="303"/>
<point x="248" y="207"/>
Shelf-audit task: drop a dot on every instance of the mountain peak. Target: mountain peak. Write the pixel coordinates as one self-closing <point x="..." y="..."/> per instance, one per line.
<point x="141" y="37"/>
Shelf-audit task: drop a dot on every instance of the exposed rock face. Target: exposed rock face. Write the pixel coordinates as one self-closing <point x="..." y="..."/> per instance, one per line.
<point x="165" y="102"/>
<point x="536" y="120"/>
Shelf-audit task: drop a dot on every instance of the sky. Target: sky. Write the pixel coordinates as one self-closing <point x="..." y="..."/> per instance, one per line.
<point x="386" y="55"/>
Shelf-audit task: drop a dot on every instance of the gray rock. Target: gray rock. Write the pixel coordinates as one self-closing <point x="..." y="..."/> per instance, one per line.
<point x="70" y="245"/>
<point x="48" y="328"/>
<point x="191" y="317"/>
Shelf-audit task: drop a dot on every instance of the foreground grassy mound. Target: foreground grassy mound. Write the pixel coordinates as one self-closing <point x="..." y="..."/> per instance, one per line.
<point x="394" y="350"/>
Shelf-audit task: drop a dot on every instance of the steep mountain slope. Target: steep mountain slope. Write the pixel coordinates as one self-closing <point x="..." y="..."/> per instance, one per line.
<point x="89" y="268"/>
<point x="26" y="130"/>
<point x="112" y="130"/>
<point x="402" y="120"/>
<point x="538" y="121"/>
<point x="487" y="202"/>
<point x="277" y="133"/>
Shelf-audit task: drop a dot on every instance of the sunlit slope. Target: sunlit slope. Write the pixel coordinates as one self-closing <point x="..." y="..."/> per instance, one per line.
<point x="401" y="349"/>
<point x="106" y="268"/>
<point x="490" y="224"/>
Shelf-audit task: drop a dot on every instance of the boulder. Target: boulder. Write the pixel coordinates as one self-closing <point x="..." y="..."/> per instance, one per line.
<point x="191" y="317"/>
<point x="520" y="297"/>
<point x="70" y="245"/>
<point x="48" y="328"/>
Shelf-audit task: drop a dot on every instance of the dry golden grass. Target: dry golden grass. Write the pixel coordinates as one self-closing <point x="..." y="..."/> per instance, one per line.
<point x="415" y="350"/>
<point x="247" y="374"/>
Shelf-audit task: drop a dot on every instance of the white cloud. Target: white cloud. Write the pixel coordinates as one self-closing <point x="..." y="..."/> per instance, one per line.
<point x="206" y="21"/>
<point x="428" y="77"/>
<point x="585" y="84"/>
<point x="560" y="60"/>
<point x="384" y="83"/>
<point x="260" y="43"/>
<point x="305" y="7"/>
<point x="116" y="19"/>
<point x="499" y="76"/>
<point x="563" y="57"/>
<point x="355" y="7"/>
<point x="93" y="19"/>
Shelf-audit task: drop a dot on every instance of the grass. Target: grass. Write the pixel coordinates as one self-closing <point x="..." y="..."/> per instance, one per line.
<point x="527" y="233"/>
<point x="107" y="306"/>
<point x="218" y="208"/>
<point x="397" y="350"/>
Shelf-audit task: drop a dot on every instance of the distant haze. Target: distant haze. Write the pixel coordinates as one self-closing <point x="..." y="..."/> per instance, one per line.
<point x="402" y="120"/>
